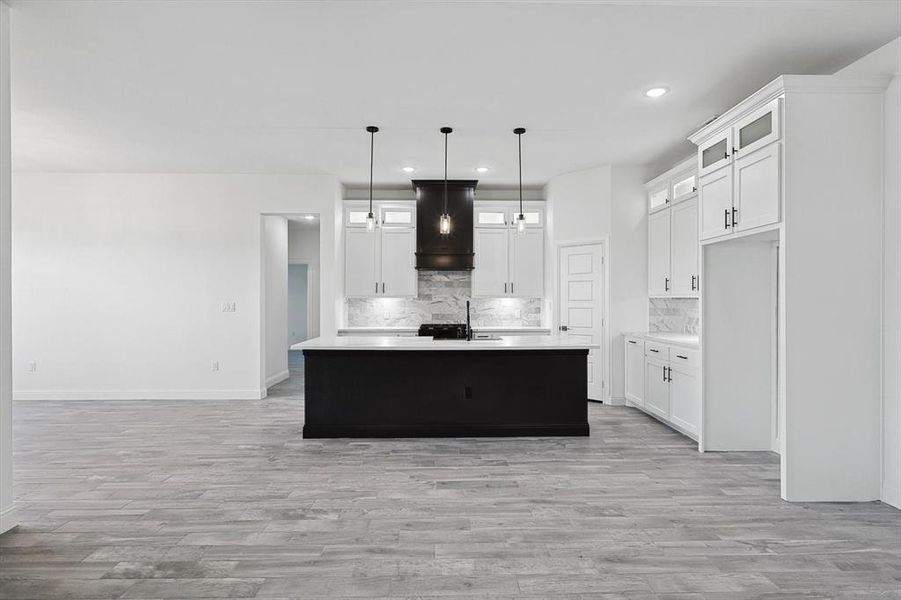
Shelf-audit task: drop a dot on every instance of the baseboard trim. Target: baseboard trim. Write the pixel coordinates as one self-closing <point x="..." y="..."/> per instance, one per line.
<point x="253" y="394"/>
<point x="277" y="378"/>
<point x="617" y="401"/>
<point x="9" y="518"/>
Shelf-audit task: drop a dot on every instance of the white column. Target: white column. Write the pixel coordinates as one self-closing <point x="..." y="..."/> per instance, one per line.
<point x="7" y="508"/>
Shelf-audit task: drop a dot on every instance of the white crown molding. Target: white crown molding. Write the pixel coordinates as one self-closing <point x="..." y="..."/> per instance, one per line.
<point x="791" y="84"/>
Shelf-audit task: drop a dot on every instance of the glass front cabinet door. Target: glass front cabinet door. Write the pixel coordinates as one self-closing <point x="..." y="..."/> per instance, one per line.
<point x="715" y="153"/>
<point x="758" y="129"/>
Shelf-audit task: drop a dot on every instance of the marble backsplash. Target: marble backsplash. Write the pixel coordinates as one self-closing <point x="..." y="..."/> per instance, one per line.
<point x="674" y="315"/>
<point x="442" y="299"/>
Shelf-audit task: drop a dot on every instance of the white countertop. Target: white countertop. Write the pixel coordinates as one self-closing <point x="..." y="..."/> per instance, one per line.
<point x="395" y="330"/>
<point x="521" y="342"/>
<point x="677" y="339"/>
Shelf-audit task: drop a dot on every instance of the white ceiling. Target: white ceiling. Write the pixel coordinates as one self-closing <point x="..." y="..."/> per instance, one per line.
<point x="289" y="86"/>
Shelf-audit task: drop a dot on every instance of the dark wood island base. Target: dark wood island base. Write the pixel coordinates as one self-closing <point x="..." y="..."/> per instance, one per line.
<point x="375" y="393"/>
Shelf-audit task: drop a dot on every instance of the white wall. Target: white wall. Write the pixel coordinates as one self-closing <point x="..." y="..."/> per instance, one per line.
<point x="298" y="303"/>
<point x="275" y="297"/>
<point x="303" y="247"/>
<point x="118" y="280"/>
<point x="605" y="203"/>
<point x="887" y="61"/>
<point x="7" y="507"/>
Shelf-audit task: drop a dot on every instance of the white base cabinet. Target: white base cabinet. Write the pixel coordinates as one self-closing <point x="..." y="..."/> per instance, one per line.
<point x="665" y="382"/>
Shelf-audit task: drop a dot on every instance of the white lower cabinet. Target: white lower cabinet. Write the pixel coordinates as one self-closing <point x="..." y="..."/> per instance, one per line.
<point x="685" y="398"/>
<point x="656" y="399"/>
<point x="635" y="371"/>
<point x="665" y="382"/>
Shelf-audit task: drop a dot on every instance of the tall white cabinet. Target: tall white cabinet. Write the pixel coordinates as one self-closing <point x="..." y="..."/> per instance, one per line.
<point x="380" y="263"/>
<point x="791" y="194"/>
<point x="508" y="263"/>
<point x="673" y="265"/>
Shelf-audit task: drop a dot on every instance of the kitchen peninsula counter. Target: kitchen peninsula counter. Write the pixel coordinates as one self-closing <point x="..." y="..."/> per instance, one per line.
<point x="387" y="386"/>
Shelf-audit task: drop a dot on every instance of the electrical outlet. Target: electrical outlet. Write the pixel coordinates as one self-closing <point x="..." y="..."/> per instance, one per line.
<point x="214" y="365"/>
<point x="228" y="307"/>
<point x="32" y="367"/>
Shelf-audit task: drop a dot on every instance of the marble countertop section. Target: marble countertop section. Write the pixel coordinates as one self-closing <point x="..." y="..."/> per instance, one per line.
<point x="395" y="330"/>
<point x="676" y="339"/>
<point x="519" y="342"/>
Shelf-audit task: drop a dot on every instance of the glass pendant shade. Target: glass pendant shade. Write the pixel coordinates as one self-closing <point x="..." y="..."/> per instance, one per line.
<point x="444" y="224"/>
<point x="370" y="222"/>
<point x="521" y="223"/>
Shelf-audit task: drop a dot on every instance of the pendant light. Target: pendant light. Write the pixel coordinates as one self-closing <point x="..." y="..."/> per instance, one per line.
<point x="521" y="218"/>
<point x="444" y="223"/>
<point x="370" y="218"/>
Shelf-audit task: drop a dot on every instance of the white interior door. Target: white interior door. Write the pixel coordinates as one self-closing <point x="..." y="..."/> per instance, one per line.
<point x="582" y="306"/>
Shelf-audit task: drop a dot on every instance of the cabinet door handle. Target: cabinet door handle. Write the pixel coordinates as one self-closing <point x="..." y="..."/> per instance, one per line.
<point x="734" y="151"/>
<point x="376" y="287"/>
<point x="734" y="212"/>
<point x="726" y="217"/>
<point x="383" y="287"/>
<point x="664" y="373"/>
<point x="666" y="284"/>
<point x="725" y="155"/>
<point x="692" y="283"/>
<point x="511" y="287"/>
<point x="670" y="374"/>
<point x="505" y="287"/>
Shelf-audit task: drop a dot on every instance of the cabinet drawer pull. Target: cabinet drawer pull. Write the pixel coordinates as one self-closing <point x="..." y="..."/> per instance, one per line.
<point x="632" y="342"/>
<point x="726" y="217"/>
<point x="653" y="350"/>
<point x="682" y="357"/>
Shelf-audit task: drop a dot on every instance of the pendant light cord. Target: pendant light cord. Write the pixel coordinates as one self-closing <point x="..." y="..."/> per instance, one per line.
<point x="445" y="172"/>
<point x="519" y="140"/>
<point x="371" y="163"/>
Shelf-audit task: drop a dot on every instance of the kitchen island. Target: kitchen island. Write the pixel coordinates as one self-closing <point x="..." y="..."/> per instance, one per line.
<point x="424" y="387"/>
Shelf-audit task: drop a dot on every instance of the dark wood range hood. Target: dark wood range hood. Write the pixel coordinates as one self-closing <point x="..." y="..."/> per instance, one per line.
<point x="452" y="252"/>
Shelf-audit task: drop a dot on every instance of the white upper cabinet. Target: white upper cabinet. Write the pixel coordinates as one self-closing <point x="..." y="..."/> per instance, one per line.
<point x="757" y="188"/>
<point x="715" y="153"/>
<point x="673" y="267"/>
<point x="508" y="263"/>
<point x="527" y="263"/>
<point x="380" y="262"/>
<point x="490" y="275"/>
<point x="715" y="200"/>
<point x="756" y="130"/>
<point x="684" y="272"/>
<point x="658" y="197"/>
<point x="659" y="253"/>
<point x="684" y="186"/>
<point x="398" y="276"/>
<point x="360" y="262"/>
<point x="748" y="194"/>
<point x="488" y="215"/>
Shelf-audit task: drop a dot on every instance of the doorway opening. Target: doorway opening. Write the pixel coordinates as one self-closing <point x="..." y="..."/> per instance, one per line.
<point x="289" y="294"/>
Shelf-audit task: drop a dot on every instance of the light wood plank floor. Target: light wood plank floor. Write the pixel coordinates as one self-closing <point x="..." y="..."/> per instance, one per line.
<point x="215" y="499"/>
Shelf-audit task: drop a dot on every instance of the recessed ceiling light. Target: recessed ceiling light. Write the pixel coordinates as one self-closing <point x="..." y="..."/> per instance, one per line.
<point x="482" y="169"/>
<point x="309" y="217"/>
<point x="408" y="169"/>
<point x="656" y="92"/>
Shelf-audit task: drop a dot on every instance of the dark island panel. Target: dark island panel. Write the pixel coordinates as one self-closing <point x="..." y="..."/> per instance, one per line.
<point x="450" y="393"/>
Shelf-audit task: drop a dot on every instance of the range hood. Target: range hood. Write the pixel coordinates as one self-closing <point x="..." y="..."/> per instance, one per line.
<point x="434" y="251"/>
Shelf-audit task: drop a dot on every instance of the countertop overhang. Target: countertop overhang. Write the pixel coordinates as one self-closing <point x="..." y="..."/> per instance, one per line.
<point x="545" y="342"/>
